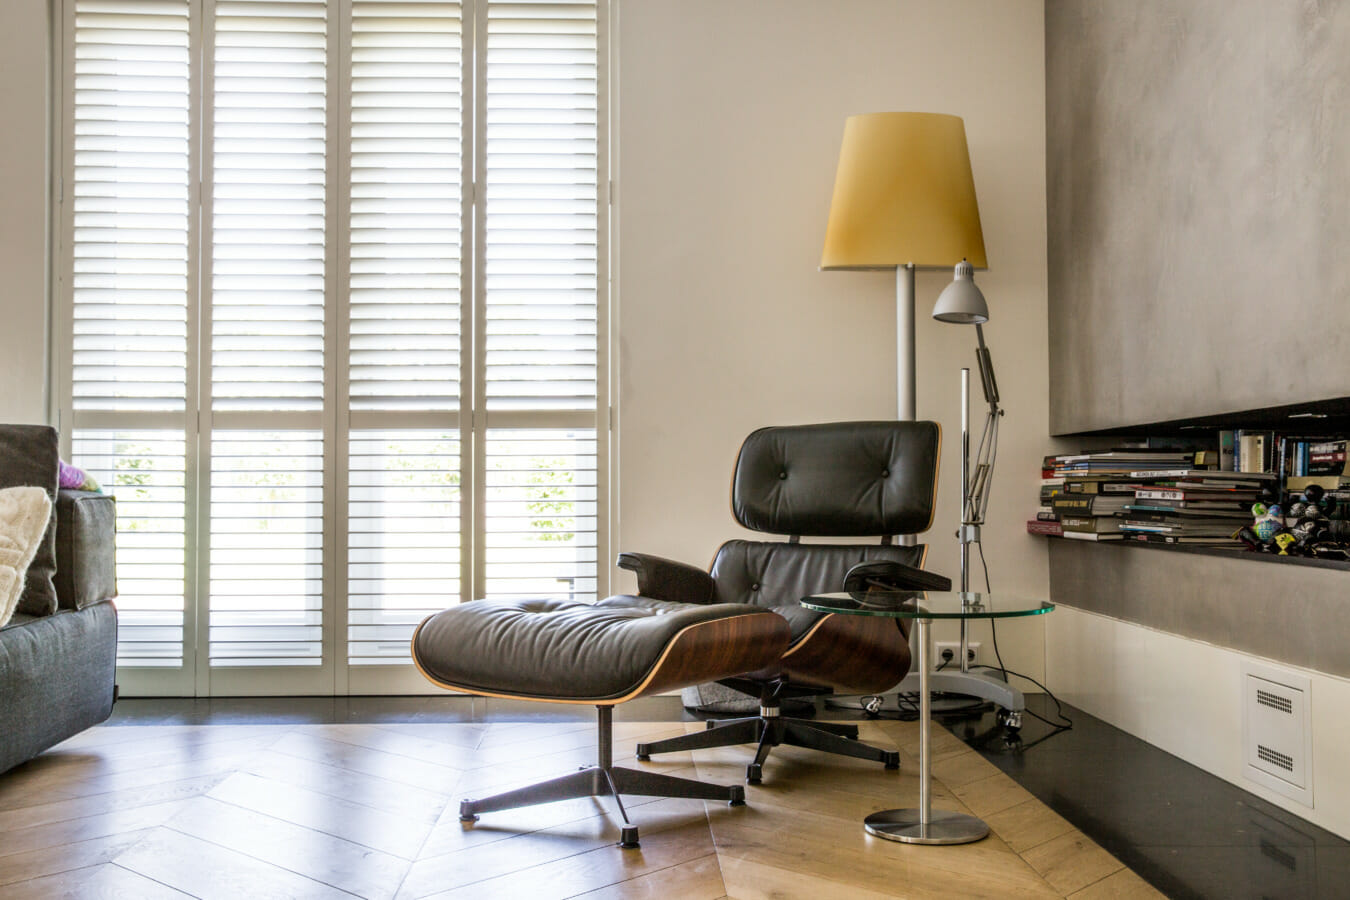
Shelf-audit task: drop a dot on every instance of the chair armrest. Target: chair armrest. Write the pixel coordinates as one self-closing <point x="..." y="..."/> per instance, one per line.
<point x="893" y="576"/>
<point x="665" y="579"/>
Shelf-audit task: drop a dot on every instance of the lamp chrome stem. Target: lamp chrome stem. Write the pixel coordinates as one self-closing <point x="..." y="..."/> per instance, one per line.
<point x="904" y="343"/>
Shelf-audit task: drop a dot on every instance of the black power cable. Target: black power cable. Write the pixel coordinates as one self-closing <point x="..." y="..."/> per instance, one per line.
<point x="993" y="633"/>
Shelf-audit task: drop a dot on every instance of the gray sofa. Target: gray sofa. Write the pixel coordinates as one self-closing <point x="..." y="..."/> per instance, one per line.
<point x="58" y="654"/>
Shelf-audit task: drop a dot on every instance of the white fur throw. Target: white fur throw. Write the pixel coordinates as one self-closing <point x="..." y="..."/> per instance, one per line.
<point x="24" y="512"/>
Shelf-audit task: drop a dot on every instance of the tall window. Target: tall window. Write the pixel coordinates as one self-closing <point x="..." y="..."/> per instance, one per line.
<point x="331" y="289"/>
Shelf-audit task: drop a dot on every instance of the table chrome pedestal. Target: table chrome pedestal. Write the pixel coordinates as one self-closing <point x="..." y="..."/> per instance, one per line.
<point x="925" y="825"/>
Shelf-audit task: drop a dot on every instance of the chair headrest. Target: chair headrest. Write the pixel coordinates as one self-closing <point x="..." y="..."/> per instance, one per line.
<point x="843" y="479"/>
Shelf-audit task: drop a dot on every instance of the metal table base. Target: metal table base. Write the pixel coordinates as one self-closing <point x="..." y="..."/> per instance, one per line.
<point x="924" y="825"/>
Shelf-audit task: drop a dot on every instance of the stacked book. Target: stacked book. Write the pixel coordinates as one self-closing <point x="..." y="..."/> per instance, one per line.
<point x="1191" y="506"/>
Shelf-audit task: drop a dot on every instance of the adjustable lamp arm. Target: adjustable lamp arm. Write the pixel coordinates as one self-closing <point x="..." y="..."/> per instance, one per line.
<point x="982" y="472"/>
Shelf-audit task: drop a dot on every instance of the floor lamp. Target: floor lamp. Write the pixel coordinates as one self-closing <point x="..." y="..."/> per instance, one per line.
<point x="904" y="198"/>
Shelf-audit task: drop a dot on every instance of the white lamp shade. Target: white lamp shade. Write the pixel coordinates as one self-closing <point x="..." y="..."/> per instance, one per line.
<point x="961" y="302"/>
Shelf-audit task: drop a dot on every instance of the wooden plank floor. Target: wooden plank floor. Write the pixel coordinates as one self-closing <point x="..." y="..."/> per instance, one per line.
<point x="299" y="811"/>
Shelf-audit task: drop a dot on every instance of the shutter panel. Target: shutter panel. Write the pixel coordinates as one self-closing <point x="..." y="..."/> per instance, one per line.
<point x="267" y="313"/>
<point x="129" y="198"/>
<point x="541" y="514"/>
<point x="266" y="567"/>
<point x="267" y="224"/>
<point x="403" y="552"/>
<point x="406" y="187"/>
<point x="541" y="206"/>
<point x="144" y="471"/>
<point x="130" y="205"/>
<point x="403" y="511"/>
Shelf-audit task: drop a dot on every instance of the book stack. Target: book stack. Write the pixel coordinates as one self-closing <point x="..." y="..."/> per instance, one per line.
<point x="1199" y="507"/>
<point x="1082" y="494"/>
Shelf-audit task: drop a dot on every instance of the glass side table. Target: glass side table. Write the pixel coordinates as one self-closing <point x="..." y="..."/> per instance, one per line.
<point x="925" y="825"/>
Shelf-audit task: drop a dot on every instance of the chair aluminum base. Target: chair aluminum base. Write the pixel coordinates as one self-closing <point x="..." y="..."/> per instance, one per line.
<point x="944" y="827"/>
<point x="769" y="730"/>
<point x="604" y="780"/>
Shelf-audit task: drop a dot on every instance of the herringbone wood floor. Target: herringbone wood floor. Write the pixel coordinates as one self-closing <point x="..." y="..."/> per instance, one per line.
<point x="298" y="811"/>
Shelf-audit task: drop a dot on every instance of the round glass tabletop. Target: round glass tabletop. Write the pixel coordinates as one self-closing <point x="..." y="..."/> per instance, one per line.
<point x="926" y="604"/>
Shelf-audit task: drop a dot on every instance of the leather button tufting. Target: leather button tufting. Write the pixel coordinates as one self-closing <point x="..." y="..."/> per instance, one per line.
<point x="755" y="586"/>
<point x="782" y="476"/>
<point x="885" y="473"/>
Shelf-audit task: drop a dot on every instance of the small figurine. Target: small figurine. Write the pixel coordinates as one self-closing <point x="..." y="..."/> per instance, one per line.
<point x="1268" y="522"/>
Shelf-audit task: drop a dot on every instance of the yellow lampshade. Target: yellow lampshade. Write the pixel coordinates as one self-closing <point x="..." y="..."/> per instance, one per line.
<point x="903" y="194"/>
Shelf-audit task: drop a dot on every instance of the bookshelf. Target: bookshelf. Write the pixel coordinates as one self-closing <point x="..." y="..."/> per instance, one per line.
<point x="1190" y="486"/>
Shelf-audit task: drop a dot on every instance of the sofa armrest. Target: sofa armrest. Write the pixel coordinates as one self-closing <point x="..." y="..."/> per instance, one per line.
<point x="665" y="579"/>
<point x="86" y="526"/>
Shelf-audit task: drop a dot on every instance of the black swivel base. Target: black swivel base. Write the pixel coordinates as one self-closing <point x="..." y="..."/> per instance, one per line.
<point x="769" y="729"/>
<point x="604" y="780"/>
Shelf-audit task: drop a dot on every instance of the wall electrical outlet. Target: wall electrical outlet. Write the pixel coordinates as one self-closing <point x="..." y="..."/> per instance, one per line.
<point x="954" y="647"/>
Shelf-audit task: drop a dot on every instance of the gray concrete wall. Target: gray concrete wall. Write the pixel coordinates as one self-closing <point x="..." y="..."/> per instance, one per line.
<point x="1198" y="163"/>
<point x="1291" y="613"/>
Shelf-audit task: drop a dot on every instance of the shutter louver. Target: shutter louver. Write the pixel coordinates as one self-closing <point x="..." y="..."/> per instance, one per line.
<point x="406" y="187"/>
<point x="541" y="514"/>
<point x="266" y="563"/>
<point x="541" y="206"/>
<point x="267" y="225"/>
<point x="130" y="199"/>
<point x="403" y="533"/>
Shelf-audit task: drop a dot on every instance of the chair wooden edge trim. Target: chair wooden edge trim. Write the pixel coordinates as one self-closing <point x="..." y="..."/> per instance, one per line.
<point x="856" y="654"/>
<point x="750" y="634"/>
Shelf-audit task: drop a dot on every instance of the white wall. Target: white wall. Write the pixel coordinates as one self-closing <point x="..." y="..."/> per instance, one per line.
<point x="23" y="210"/>
<point x="729" y="121"/>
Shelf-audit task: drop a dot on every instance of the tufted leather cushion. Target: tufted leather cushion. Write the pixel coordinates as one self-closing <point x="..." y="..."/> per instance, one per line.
<point x="778" y="575"/>
<point x="554" y="649"/>
<point x="845" y="479"/>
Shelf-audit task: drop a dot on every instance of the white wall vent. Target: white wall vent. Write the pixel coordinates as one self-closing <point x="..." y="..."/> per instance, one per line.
<point x="1277" y="731"/>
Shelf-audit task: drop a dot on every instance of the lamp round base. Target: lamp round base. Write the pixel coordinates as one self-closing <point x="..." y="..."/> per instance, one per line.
<point x="944" y="827"/>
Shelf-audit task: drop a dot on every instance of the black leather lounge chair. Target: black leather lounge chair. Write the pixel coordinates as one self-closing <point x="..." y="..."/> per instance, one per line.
<point x="848" y="479"/>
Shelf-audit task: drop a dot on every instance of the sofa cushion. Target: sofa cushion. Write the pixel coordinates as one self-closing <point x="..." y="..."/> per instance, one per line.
<point x="85" y="563"/>
<point x="25" y="513"/>
<point x="29" y="456"/>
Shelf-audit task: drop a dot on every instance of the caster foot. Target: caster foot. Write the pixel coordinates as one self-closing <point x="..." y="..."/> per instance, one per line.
<point x="892" y="759"/>
<point x="466" y="813"/>
<point x="642" y="753"/>
<point x="754" y="774"/>
<point x="628" y="837"/>
<point x="737" y="796"/>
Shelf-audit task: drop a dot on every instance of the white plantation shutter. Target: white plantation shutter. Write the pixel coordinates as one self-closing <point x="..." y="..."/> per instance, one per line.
<point x="144" y="471"/>
<point x="266" y="567"/>
<point x="540" y="232"/>
<point x="541" y="514"/>
<point x="404" y="504"/>
<point x="331" y="323"/>
<point x="130" y="240"/>
<point x="404" y="538"/>
<point x="129" y="226"/>
<point x="406" y="184"/>
<point x="267" y="233"/>
<point x="267" y="227"/>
